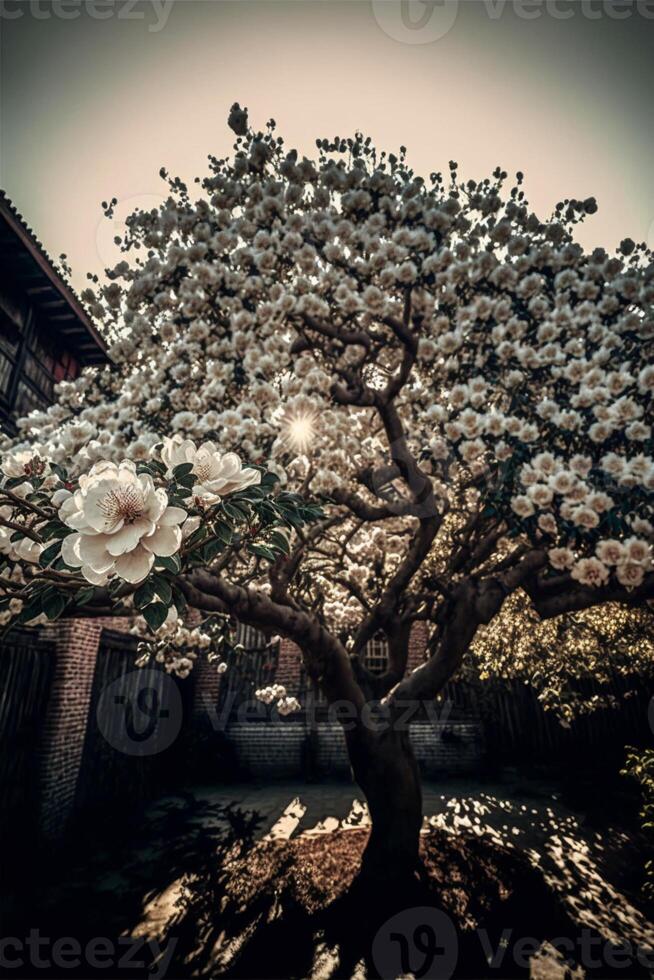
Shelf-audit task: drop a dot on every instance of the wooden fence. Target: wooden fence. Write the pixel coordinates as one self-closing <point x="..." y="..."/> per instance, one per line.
<point x="25" y="672"/>
<point x="516" y="727"/>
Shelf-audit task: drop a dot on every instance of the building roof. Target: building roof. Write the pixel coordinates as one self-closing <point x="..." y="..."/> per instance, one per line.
<point x="26" y="261"/>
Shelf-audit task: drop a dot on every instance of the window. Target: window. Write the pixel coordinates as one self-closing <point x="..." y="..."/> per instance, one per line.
<point x="45" y="365"/>
<point x="27" y="400"/>
<point x="6" y="374"/>
<point x="10" y="342"/>
<point x="250" y="638"/>
<point x="376" y="655"/>
<point x="33" y="356"/>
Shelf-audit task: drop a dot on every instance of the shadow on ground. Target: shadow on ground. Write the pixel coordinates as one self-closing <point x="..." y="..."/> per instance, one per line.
<point x="210" y="888"/>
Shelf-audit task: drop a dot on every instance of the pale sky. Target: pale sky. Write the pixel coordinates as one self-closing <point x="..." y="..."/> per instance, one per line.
<point x="92" y="108"/>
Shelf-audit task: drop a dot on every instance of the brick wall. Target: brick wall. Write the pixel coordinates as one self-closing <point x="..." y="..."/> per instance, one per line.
<point x="76" y="643"/>
<point x="290" y="659"/>
<point x="64" y="726"/>
<point x="206" y="686"/>
<point x="279" y="749"/>
<point x="417" y="645"/>
<point x="289" y="666"/>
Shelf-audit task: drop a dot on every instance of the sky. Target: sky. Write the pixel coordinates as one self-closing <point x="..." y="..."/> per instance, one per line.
<point x="96" y="96"/>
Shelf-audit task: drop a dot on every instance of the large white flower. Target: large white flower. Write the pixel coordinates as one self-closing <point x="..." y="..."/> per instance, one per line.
<point x="216" y="474"/>
<point x="121" y="521"/>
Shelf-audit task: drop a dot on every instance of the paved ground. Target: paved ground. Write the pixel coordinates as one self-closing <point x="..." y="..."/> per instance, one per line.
<point x="132" y="890"/>
<point x="594" y="872"/>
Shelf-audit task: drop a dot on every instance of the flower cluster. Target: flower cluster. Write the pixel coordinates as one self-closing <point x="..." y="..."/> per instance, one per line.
<point x="120" y="533"/>
<point x="276" y="694"/>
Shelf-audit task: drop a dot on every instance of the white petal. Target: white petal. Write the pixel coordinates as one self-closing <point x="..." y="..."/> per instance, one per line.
<point x="93" y="552"/>
<point x="230" y="465"/>
<point x="95" y="578"/>
<point x="172" y="515"/>
<point x="135" y="566"/>
<point x="164" y="542"/>
<point x="253" y="476"/>
<point x="77" y="522"/>
<point x="189" y="526"/>
<point x="127" y="538"/>
<point x="156" y="502"/>
<point x="70" y="550"/>
<point x="59" y="496"/>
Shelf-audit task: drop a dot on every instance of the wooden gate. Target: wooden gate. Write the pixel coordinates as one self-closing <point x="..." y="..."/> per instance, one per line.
<point x="26" y="664"/>
<point x="116" y="766"/>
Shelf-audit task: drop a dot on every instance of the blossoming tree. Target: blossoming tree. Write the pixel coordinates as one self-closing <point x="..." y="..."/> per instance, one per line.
<point x="440" y="399"/>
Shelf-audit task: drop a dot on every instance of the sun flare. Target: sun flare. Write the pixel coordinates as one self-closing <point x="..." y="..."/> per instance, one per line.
<point x="299" y="428"/>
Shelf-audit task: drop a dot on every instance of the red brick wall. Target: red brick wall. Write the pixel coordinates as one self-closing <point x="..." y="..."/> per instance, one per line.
<point x="206" y="685"/>
<point x="64" y="726"/>
<point x="417" y="645"/>
<point x="76" y="643"/>
<point x="289" y="666"/>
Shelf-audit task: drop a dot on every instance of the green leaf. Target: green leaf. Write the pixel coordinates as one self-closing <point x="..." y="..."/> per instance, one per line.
<point x="54" y="605"/>
<point x="179" y="601"/>
<point x="249" y="494"/>
<point x="163" y="589"/>
<point x="211" y="549"/>
<point x="262" y="551"/>
<point x="280" y="541"/>
<point x="32" y="609"/>
<point x="172" y="563"/>
<point x="269" y="480"/>
<point x="49" y="555"/>
<point x="223" y="532"/>
<point x="155" y="615"/>
<point x="197" y="537"/>
<point x="186" y="482"/>
<point x="182" y="470"/>
<point x="144" y="594"/>
<point x="15" y="481"/>
<point x="178" y="499"/>
<point x="235" y="512"/>
<point x="54" y="529"/>
<point x="84" y="596"/>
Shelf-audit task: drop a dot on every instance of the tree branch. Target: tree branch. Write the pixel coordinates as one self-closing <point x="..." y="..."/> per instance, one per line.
<point x="325" y="657"/>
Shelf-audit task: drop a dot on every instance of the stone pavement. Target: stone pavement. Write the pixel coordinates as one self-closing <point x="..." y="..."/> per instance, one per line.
<point x="591" y="869"/>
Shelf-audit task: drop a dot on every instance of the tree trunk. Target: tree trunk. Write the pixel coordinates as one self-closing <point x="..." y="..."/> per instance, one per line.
<point x="385" y="768"/>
